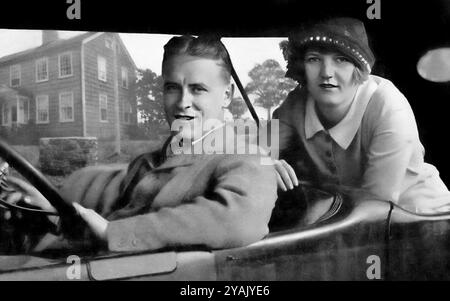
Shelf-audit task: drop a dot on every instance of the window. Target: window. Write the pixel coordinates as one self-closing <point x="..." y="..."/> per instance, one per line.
<point x="127" y="112"/>
<point x="42" y="70"/>
<point x="5" y="114"/>
<point x="124" y="77"/>
<point x="66" y="107"/>
<point x="65" y="64"/>
<point x="103" y="99"/>
<point x="14" y="75"/>
<point x="23" y="112"/>
<point x="101" y="62"/>
<point x="42" y="109"/>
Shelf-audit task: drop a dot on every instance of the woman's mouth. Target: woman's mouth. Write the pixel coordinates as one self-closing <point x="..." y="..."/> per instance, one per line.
<point x="184" y="117"/>
<point x="328" y="86"/>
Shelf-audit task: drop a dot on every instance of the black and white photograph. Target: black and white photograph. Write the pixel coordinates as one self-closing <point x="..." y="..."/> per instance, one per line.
<point x="265" y="141"/>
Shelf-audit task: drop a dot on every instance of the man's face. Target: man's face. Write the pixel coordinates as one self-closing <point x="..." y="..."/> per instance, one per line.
<point x="329" y="78"/>
<point x="195" y="91"/>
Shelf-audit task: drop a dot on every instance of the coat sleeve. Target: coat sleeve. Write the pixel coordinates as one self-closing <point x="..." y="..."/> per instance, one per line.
<point x="95" y="187"/>
<point x="235" y="211"/>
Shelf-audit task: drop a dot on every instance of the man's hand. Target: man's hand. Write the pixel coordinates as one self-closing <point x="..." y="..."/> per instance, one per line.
<point x="28" y="193"/>
<point x="95" y="221"/>
<point x="286" y="177"/>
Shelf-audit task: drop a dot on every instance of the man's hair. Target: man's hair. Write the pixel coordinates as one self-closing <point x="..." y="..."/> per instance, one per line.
<point x="296" y="63"/>
<point x="209" y="47"/>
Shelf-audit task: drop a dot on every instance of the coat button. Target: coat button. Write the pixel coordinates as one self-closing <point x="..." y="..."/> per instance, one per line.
<point x="328" y="153"/>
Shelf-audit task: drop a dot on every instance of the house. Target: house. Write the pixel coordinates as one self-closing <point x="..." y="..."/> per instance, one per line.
<point x="77" y="87"/>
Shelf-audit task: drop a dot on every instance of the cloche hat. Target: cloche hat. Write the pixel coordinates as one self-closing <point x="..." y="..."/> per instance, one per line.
<point x="347" y="35"/>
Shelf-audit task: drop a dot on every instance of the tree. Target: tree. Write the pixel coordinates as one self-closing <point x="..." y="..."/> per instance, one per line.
<point x="237" y="107"/>
<point x="149" y="94"/>
<point x="269" y="85"/>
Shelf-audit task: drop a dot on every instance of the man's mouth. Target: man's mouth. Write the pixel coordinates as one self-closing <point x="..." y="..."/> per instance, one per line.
<point x="184" y="117"/>
<point x="328" y="86"/>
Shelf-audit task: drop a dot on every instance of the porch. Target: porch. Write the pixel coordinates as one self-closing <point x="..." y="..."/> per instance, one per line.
<point x="14" y="106"/>
<point x="15" y="126"/>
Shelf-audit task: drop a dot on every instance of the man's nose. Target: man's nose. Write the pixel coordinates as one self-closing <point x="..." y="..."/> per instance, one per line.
<point x="185" y="99"/>
<point x="326" y="69"/>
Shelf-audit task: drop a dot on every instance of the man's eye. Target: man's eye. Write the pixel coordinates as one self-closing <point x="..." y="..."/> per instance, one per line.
<point x="198" y="89"/>
<point x="171" y="88"/>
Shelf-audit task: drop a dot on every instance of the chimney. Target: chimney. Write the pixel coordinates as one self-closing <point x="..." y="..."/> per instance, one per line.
<point x="49" y="36"/>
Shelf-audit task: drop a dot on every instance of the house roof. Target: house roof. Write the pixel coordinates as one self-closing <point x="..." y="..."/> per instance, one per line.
<point x="126" y="50"/>
<point x="61" y="43"/>
<point x="48" y="46"/>
<point x="10" y="93"/>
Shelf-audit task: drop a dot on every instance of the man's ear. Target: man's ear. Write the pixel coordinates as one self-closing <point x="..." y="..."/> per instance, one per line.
<point x="229" y="93"/>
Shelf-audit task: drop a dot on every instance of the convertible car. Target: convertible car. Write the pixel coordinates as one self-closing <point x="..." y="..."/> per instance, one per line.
<point x="337" y="237"/>
<point x="345" y="236"/>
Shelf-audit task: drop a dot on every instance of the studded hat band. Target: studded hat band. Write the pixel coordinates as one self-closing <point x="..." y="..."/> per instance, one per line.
<point x="337" y="43"/>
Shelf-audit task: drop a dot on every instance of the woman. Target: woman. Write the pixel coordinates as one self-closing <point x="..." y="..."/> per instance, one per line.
<point x="343" y="127"/>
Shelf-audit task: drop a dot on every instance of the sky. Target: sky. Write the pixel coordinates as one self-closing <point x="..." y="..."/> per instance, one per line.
<point x="147" y="49"/>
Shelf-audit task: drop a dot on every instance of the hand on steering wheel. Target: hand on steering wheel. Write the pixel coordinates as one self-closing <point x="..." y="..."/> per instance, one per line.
<point x="23" y="191"/>
<point x="28" y="211"/>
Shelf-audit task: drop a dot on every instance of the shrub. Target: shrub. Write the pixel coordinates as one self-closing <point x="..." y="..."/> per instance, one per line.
<point x="62" y="156"/>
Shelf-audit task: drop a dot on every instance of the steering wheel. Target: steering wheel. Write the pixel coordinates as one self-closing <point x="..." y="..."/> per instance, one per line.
<point x="68" y="215"/>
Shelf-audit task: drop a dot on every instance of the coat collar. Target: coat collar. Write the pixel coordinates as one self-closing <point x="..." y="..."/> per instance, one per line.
<point x="343" y="132"/>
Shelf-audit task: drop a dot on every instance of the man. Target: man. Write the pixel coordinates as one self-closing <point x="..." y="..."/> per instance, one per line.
<point x="176" y="196"/>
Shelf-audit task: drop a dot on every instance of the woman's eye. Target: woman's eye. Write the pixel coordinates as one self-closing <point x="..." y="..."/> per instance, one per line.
<point x="312" y="59"/>
<point x="342" y="59"/>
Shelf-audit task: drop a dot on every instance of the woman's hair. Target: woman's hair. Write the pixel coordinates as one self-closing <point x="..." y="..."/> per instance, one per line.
<point x="296" y="62"/>
<point x="209" y="47"/>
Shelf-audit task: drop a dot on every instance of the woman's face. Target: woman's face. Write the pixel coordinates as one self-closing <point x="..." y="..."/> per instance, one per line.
<point x="329" y="78"/>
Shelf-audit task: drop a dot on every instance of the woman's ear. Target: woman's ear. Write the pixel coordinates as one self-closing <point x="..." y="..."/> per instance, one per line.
<point x="229" y="93"/>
